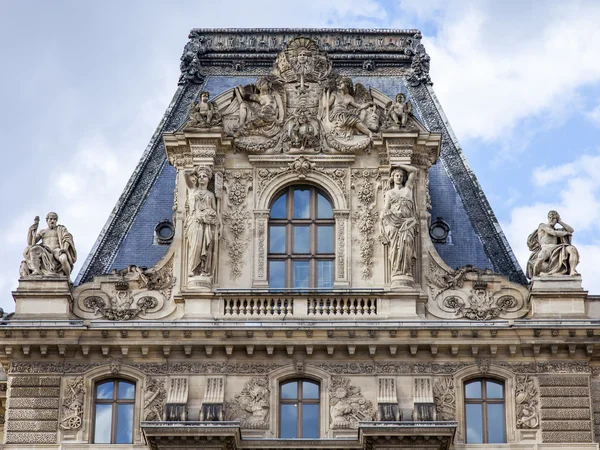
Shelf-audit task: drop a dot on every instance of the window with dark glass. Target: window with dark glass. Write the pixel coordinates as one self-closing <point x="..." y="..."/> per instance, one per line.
<point x="484" y="412"/>
<point x="299" y="409"/>
<point x="301" y="239"/>
<point x="114" y="402"/>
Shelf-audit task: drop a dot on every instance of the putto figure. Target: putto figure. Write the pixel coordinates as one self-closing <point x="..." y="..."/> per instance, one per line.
<point x="203" y="113"/>
<point x="202" y="225"/>
<point x="400" y="110"/>
<point x="552" y="252"/>
<point x="399" y="221"/>
<point x="50" y="251"/>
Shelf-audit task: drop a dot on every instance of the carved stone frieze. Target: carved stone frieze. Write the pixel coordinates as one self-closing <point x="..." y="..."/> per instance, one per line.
<point x="444" y="396"/>
<point x="365" y="183"/>
<point x="72" y="406"/>
<point x="251" y="406"/>
<point x="237" y="218"/>
<point x="155" y="396"/>
<point x="121" y="306"/>
<point x="347" y="405"/>
<point x="527" y="402"/>
<point x="341" y="368"/>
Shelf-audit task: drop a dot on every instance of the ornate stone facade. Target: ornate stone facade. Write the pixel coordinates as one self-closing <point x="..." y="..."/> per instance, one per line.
<point x="200" y="345"/>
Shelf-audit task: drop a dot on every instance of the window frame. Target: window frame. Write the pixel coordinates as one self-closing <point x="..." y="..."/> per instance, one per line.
<point x="114" y="401"/>
<point x="299" y="400"/>
<point x="484" y="401"/>
<point x="314" y="223"/>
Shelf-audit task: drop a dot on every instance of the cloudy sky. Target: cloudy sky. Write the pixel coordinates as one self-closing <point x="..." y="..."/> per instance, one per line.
<point x="84" y="84"/>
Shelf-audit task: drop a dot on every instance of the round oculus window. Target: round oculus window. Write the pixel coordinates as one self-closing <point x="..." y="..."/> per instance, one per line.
<point x="164" y="231"/>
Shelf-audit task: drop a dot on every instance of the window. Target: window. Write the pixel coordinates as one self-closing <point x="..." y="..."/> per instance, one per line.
<point x="299" y="409"/>
<point x="484" y="412"/>
<point x="113" y="412"/>
<point x="301" y="239"/>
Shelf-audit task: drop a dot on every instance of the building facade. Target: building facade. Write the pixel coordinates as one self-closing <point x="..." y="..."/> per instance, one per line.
<point x="302" y="259"/>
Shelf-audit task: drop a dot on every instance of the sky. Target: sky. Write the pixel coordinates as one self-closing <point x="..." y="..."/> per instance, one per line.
<point x="84" y="84"/>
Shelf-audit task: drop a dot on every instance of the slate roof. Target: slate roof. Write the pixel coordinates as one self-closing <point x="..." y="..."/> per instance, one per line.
<point x="391" y="61"/>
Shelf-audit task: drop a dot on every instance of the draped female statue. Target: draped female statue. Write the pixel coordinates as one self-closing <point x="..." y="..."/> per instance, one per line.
<point x="202" y="225"/>
<point x="399" y="221"/>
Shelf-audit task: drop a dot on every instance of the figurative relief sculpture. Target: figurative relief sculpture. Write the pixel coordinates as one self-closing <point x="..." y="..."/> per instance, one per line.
<point x="204" y="113"/>
<point x="301" y="106"/>
<point x="551" y="249"/>
<point x="203" y="223"/>
<point x="399" y="222"/>
<point x="251" y="406"/>
<point x="49" y="252"/>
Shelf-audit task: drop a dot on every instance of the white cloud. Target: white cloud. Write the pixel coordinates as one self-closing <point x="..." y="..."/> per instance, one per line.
<point x="594" y="115"/>
<point x="495" y="64"/>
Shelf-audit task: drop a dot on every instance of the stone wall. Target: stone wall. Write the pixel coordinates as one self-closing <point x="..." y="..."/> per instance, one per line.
<point x="32" y="413"/>
<point x="565" y="406"/>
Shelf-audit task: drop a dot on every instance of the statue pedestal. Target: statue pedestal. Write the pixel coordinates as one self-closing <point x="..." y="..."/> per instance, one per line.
<point x="402" y="283"/>
<point x="43" y="297"/>
<point x="557" y="296"/>
<point x="200" y="283"/>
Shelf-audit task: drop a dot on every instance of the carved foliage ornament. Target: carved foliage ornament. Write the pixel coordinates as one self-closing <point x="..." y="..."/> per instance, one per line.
<point x="348" y="406"/>
<point x="365" y="215"/>
<point x="72" y="407"/>
<point x="120" y="307"/>
<point x="251" y="406"/>
<point x="237" y="218"/>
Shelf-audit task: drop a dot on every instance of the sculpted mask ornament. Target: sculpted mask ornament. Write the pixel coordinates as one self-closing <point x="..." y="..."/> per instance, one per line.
<point x="49" y="252"/>
<point x="204" y="113"/>
<point x="399" y="222"/>
<point x="202" y="224"/>
<point x="551" y="249"/>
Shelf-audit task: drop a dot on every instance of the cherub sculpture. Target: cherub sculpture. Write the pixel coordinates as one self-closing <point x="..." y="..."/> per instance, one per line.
<point x="203" y="113"/>
<point x="399" y="111"/>
<point x="261" y="108"/>
<point x="303" y="130"/>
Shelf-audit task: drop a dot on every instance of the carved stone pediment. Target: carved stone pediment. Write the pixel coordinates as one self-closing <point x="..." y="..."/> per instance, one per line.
<point x="132" y="293"/>
<point x="473" y="294"/>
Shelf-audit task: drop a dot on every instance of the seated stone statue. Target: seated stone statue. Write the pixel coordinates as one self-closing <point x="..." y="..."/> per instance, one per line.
<point x="552" y="252"/>
<point x="50" y="251"/>
<point x="399" y="111"/>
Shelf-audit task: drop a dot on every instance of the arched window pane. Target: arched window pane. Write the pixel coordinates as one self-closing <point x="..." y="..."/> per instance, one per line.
<point x="289" y="390"/>
<point x="105" y="390"/>
<point x="278" y="210"/>
<point x="126" y="390"/>
<point x="289" y="421"/>
<point x="474" y="423"/>
<point x="277" y="274"/>
<point x="301" y="203"/>
<point x="301" y="239"/>
<point x="324" y="209"/>
<point x="310" y="389"/>
<point x="494" y="390"/>
<point x="301" y="274"/>
<point x="277" y="236"/>
<point x="325" y="239"/>
<point x="124" y="424"/>
<point x="310" y="421"/>
<point x="473" y="389"/>
<point x="495" y="423"/>
<point x="103" y="425"/>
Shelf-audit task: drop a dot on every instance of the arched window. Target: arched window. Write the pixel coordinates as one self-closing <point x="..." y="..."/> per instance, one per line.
<point x="301" y="239"/>
<point x="114" y="404"/>
<point x="484" y="412"/>
<point x="299" y="409"/>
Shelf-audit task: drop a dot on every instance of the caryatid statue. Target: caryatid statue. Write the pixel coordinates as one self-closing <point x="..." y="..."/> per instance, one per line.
<point x="203" y="224"/>
<point x="50" y="251"/>
<point x="552" y="252"/>
<point x="399" y="221"/>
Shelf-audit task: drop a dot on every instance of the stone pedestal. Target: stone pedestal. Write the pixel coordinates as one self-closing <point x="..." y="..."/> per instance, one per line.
<point x="557" y="296"/>
<point x="43" y="298"/>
